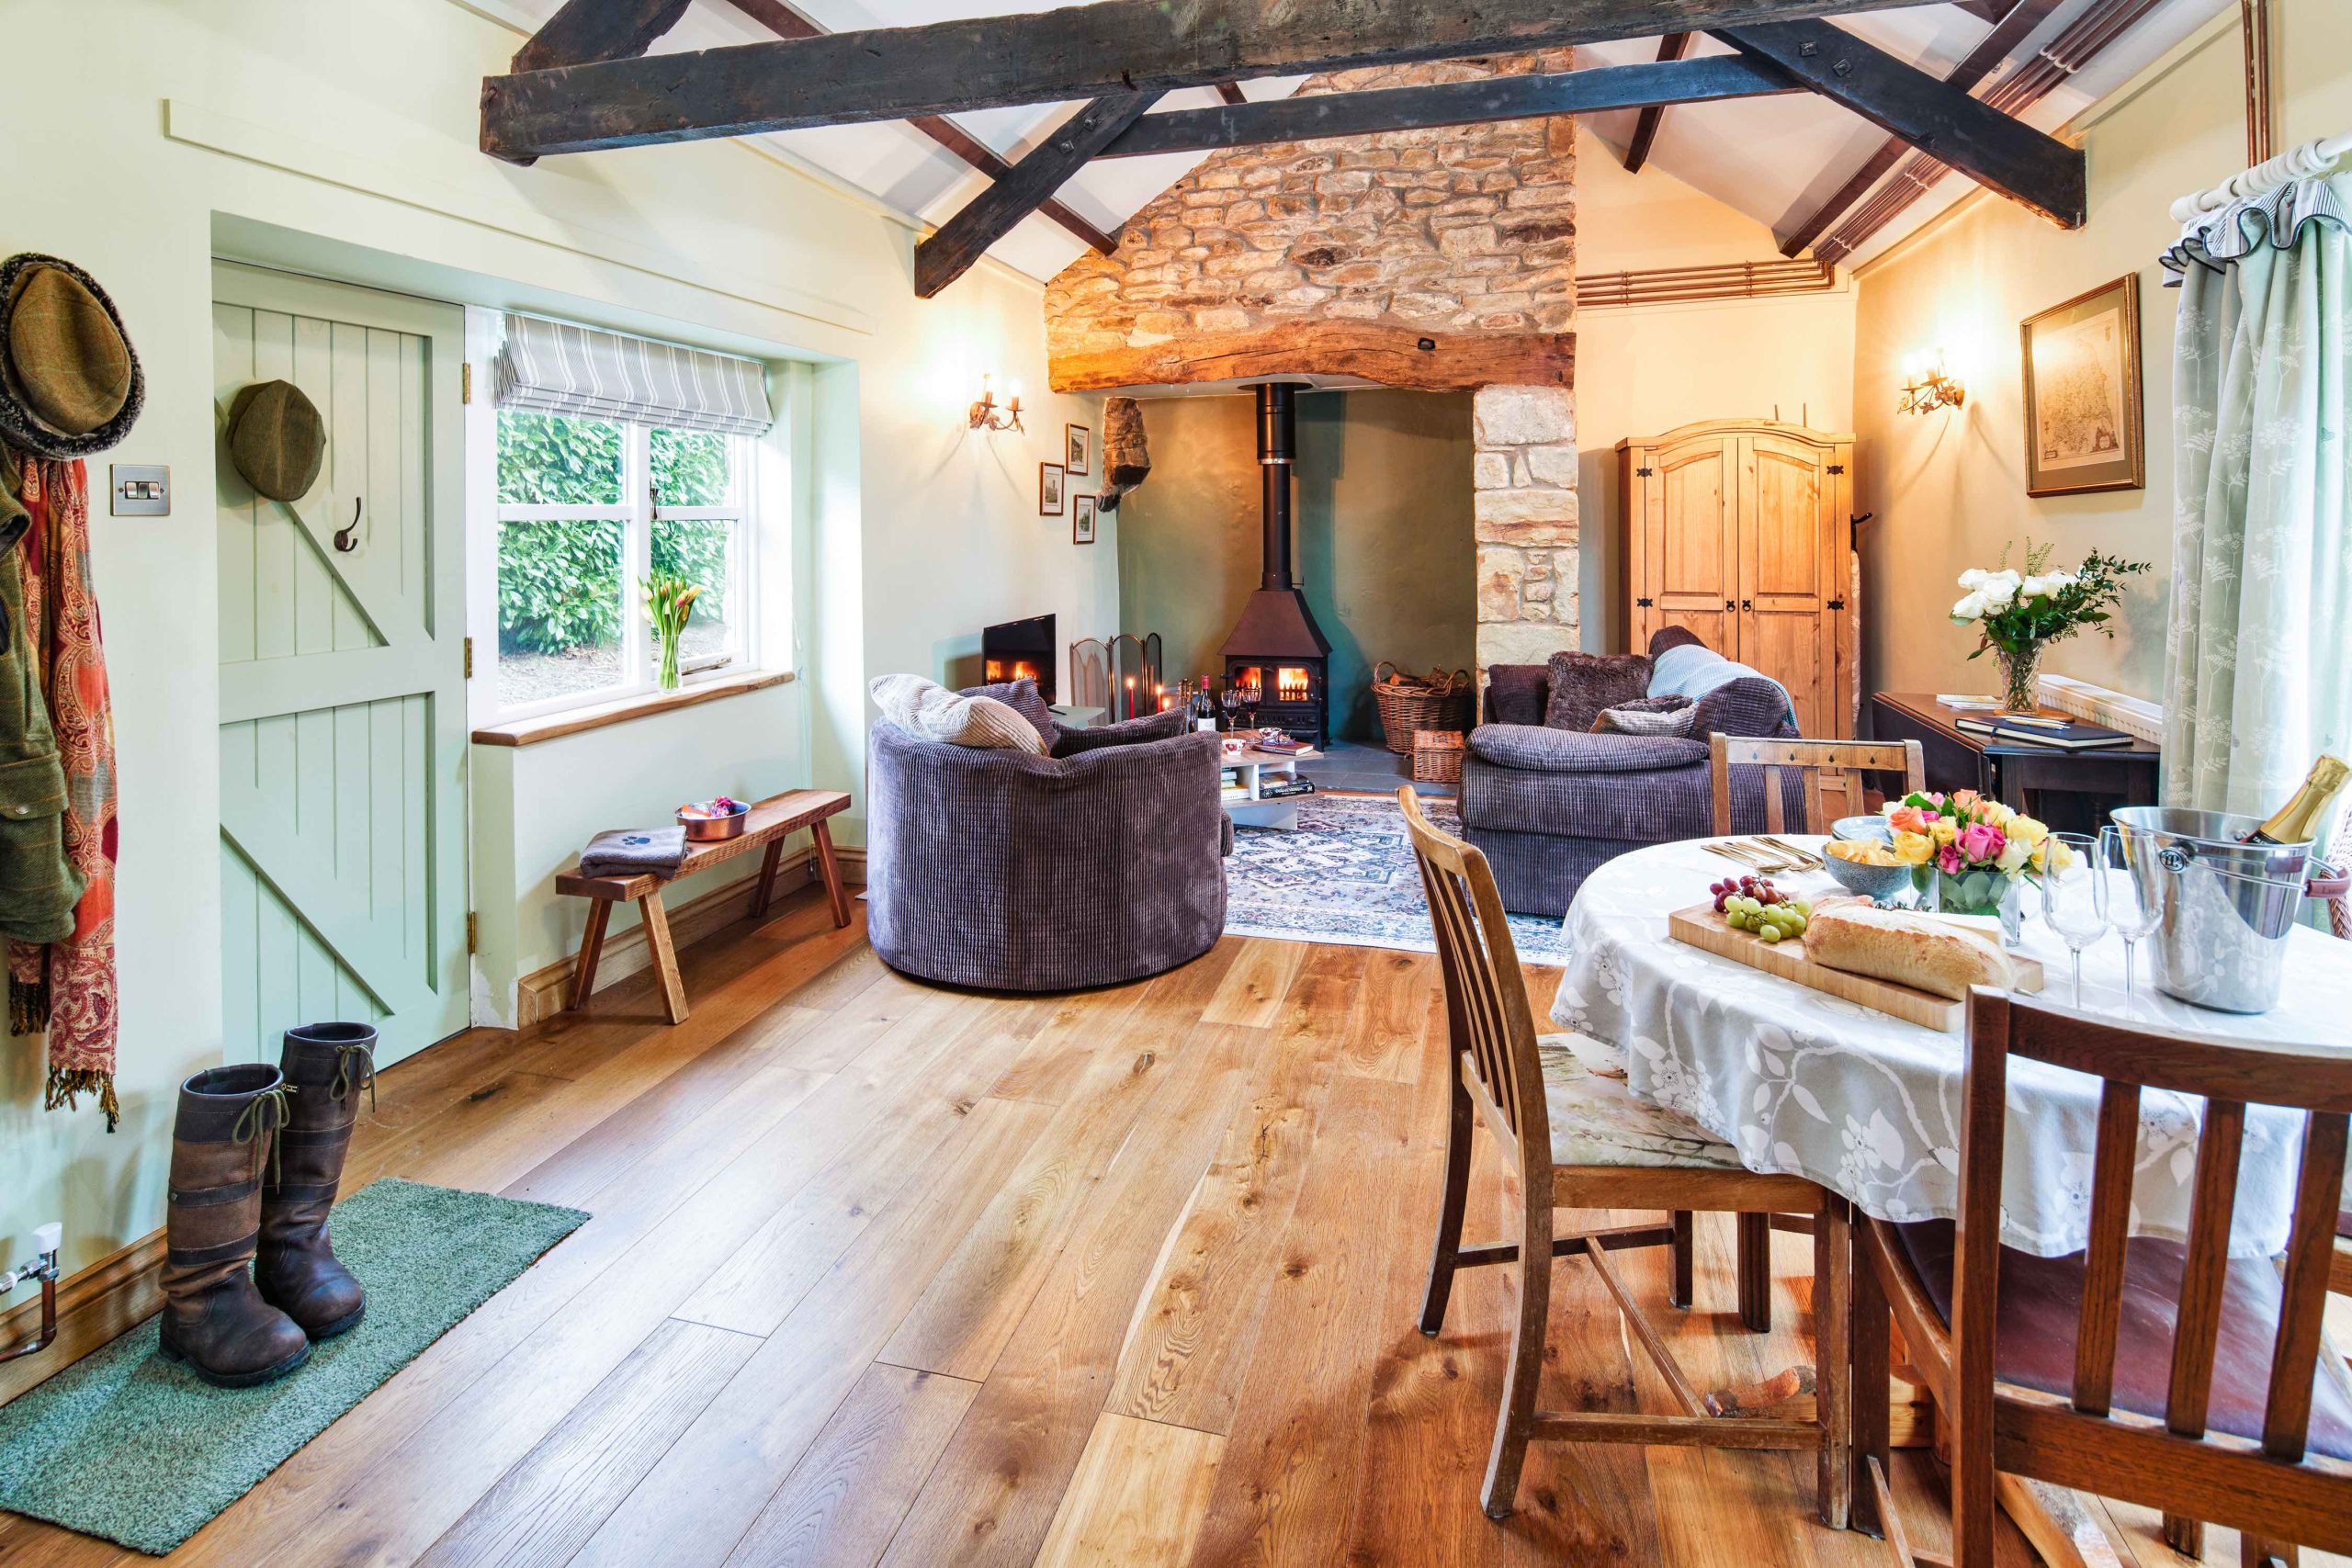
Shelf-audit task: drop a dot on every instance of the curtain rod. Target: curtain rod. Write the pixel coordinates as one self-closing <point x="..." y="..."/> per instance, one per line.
<point x="2296" y="163"/>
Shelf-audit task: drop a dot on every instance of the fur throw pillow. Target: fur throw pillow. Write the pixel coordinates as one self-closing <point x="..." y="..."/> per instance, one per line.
<point x="1584" y="684"/>
<point x="929" y="709"/>
<point x="1647" y="715"/>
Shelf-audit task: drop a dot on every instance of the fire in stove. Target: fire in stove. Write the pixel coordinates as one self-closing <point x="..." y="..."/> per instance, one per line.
<point x="1277" y="631"/>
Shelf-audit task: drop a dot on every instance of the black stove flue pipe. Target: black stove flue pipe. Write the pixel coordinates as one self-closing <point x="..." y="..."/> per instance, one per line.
<point x="1277" y="449"/>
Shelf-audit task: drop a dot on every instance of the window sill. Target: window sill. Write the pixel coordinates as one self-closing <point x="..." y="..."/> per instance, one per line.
<point x="575" y="721"/>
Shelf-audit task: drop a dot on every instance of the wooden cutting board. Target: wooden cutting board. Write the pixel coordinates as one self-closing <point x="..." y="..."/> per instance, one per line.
<point x="1701" y="926"/>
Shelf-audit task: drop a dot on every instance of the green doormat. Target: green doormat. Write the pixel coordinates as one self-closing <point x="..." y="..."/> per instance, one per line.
<point x="124" y="1445"/>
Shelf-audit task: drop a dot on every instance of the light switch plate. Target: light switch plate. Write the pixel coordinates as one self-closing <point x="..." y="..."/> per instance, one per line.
<point x="140" y="489"/>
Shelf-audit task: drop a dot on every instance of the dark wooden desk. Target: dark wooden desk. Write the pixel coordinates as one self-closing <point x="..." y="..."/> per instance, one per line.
<point x="2072" y="791"/>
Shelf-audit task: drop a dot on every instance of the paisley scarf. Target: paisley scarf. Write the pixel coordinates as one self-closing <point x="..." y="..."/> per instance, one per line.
<point x="68" y="987"/>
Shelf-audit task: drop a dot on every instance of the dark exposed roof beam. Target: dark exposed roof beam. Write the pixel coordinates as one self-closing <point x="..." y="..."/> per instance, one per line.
<point x="2012" y="30"/>
<point x="786" y="22"/>
<point x="1673" y="46"/>
<point x="990" y="216"/>
<point x="1451" y="102"/>
<point x="586" y="30"/>
<point x="1231" y="93"/>
<point x="1080" y="53"/>
<point x="2003" y="154"/>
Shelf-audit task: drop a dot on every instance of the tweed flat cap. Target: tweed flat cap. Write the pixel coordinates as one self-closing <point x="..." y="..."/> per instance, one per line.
<point x="277" y="439"/>
<point x="70" y="382"/>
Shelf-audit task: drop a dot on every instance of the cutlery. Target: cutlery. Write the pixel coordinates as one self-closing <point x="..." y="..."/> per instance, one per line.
<point x="1751" y="858"/>
<point x="1806" y="860"/>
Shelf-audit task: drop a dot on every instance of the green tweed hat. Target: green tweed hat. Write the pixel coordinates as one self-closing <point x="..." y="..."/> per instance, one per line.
<point x="70" y="383"/>
<point x="277" y="439"/>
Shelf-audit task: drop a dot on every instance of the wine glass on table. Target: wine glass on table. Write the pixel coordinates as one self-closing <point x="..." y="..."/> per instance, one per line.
<point x="2073" y="897"/>
<point x="1230" y="701"/>
<point x="2135" y="895"/>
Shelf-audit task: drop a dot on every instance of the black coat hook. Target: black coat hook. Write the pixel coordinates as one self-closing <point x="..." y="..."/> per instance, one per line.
<point x="346" y="540"/>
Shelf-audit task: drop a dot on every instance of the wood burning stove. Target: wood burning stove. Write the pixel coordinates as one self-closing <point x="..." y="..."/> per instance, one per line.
<point x="1019" y="649"/>
<point x="1275" y="651"/>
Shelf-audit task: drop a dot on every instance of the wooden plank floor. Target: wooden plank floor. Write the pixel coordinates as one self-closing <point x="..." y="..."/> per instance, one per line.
<point x="880" y="1273"/>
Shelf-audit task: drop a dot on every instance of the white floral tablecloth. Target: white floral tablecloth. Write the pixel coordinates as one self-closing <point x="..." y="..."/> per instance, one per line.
<point x="1868" y="1105"/>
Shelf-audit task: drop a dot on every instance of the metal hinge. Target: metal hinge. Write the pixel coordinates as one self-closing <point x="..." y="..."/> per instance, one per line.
<point x="473" y="932"/>
<point x="1643" y="473"/>
<point x="1836" y="468"/>
<point x="466" y="381"/>
<point x="469" y="658"/>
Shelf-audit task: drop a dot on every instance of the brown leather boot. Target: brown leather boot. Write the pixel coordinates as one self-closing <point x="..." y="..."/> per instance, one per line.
<point x="213" y="1318"/>
<point x="326" y="1065"/>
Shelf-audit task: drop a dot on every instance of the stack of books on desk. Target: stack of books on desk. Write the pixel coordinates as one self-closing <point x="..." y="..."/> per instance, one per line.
<point x="2040" y="730"/>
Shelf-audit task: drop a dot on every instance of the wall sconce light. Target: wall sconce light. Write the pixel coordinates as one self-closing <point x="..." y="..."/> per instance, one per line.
<point x="986" y="415"/>
<point x="1930" y="387"/>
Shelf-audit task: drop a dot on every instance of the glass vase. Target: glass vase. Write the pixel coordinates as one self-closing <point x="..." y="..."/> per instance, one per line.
<point x="666" y="677"/>
<point x="2017" y="691"/>
<point x="1981" y="890"/>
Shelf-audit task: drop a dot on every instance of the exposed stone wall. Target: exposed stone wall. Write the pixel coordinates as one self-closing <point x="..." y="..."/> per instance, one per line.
<point x="1525" y="471"/>
<point x="1452" y="228"/>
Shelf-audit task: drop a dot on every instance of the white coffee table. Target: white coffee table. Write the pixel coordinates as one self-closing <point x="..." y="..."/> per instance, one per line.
<point x="1256" y="770"/>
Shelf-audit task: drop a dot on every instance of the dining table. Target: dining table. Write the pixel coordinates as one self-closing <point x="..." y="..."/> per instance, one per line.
<point x="1799" y="1081"/>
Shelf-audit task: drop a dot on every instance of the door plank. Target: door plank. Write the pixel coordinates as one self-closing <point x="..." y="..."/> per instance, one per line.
<point x="545" y="1506"/>
<point x="843" y="1501"/>
<point x="1138" y="1498"/>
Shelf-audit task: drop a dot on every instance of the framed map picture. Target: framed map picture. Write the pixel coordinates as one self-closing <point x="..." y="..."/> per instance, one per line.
<point x="1081" y="520"/>
<point x="2081" y="393"/>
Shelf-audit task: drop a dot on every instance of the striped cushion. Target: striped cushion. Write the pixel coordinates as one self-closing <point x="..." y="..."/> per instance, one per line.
<point x="1596" y="1120"/>
<point x="929" y="709"/>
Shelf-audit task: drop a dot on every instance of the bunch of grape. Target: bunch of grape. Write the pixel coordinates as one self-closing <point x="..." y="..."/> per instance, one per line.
<point x="1753" y="904"/>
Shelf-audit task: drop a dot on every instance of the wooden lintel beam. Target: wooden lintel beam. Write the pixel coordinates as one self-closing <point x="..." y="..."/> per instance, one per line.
<point x="586" y="30"/>
<point x="1673" y="46"/>
<point x="990" y="216"/>
<point x="1077" y="54"/>
<point x="2016" y="24"/>
<point x="1451" y="102"/>
<point x="786" y="22"/>
<point x="1392" y="357"/>
<point x="2003" y="154"/>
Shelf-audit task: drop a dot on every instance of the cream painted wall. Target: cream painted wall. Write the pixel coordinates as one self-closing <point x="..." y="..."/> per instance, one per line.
<point x="357" y="124"/>
<point x="1949" y="488"/>
<point x="1645" y="370"/>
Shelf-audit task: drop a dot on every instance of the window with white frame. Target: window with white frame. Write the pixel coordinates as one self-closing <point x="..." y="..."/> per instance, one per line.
<point x="598" y="495"/>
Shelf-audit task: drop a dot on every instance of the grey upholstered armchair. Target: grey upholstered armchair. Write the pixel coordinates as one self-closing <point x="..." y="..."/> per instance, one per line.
<point x="1010" y="871"/>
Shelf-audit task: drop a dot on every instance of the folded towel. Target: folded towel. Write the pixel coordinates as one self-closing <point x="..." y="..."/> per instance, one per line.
<point x="633" y="851"/>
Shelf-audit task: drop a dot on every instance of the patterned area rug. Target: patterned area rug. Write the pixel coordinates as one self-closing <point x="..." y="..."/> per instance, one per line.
<point x="1346" y="875"/>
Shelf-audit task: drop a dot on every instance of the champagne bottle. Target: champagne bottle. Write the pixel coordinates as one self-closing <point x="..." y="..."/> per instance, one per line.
<point x="2299" y="820"/>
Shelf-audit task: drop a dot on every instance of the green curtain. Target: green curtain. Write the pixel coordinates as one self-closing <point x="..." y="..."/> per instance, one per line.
<point x="2259" y="647"/>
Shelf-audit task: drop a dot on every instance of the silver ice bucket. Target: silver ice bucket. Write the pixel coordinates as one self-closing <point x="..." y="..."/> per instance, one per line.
<point x="2228" y="906"/>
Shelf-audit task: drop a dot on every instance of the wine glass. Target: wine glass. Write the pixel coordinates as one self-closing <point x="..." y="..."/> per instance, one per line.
<point x="2135" y="896"/>
<point x="1230" y="701"/>
<point x="2073" y="897"/>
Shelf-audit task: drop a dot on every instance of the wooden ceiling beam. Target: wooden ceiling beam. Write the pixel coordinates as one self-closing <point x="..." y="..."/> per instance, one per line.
<point x="1231" y="93"/>
<point x="786" y="22"/>
<point x="2000" y="154"/>
<point x="1451" y="102"/>
<point x="1077" y="54"/>
<point x="583" y="32"/>
<point x="2015" y="27"/>
<point x="990" y="216"/>
<point x="1673" y="46"/>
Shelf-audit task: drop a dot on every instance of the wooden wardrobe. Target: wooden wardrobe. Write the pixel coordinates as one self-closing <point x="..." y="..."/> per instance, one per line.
<point x="1741" y="530"/>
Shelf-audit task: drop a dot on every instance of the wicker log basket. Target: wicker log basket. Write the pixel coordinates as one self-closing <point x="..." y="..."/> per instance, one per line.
<point x="1407" y="703"/>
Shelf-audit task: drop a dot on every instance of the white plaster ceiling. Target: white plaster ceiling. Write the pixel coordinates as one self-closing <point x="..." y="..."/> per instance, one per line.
<point x="1769" y="158"/>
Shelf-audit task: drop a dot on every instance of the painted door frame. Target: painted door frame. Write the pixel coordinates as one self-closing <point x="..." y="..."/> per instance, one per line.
<point x="254" y="688"/>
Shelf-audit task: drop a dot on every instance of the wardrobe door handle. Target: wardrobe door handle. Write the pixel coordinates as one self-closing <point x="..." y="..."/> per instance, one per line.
<point x="1746" y="605"/>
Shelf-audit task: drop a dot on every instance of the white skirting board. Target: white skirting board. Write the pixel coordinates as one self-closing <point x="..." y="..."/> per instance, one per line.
<point x="542" y="993"/>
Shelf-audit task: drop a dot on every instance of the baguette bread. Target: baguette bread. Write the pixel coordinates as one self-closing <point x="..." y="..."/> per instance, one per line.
<point x="1929" y="955"/>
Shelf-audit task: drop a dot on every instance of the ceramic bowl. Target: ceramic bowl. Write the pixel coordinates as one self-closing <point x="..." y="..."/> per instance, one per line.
<point x="1871" y="826"/>
<point x="1870" y="881"/>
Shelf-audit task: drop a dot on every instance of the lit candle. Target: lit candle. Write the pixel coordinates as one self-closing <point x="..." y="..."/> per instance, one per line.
<point x="1131" y="696"/>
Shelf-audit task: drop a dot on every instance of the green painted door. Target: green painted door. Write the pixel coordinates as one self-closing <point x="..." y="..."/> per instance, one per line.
<point x="343" y="741"/>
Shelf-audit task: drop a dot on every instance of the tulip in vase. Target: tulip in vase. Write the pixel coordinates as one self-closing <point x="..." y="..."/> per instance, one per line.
<point x="2021" y="612"/>
<point x="669" y="604"/>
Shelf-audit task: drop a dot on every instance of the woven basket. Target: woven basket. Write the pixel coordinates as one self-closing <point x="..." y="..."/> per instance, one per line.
<point x="1437" y="756"/>
<point x="1412" y="703"/>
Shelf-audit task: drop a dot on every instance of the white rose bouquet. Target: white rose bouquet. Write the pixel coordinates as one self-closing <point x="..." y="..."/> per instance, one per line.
<point x="2019" y="613"/>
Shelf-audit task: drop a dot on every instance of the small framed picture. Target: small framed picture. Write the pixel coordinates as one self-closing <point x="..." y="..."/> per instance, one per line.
<point x="1082" y="447"/>
<point x="2081" y="393"/>
<point x="1081" y="520"/>
<point x="1049" y="489"/>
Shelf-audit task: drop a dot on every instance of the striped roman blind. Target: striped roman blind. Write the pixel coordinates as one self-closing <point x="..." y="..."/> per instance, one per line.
<point x="559" y="367"/>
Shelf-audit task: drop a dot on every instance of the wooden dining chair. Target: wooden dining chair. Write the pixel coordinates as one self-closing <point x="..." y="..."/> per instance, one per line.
<point x="1582" y="1141"/>
<point x="2166" y="1374"/>
<point x="1791" y="767"/>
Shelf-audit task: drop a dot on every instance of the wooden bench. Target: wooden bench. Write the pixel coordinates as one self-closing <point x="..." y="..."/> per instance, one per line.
<point x="771" y="819"/>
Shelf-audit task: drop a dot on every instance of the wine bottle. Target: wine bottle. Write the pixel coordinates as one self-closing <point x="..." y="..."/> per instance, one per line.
<point x="2299" y="820"/>
<point x="1203" y="706"/>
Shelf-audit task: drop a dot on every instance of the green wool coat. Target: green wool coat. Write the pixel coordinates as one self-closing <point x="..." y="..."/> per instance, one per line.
<point x="38" y="888"/>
